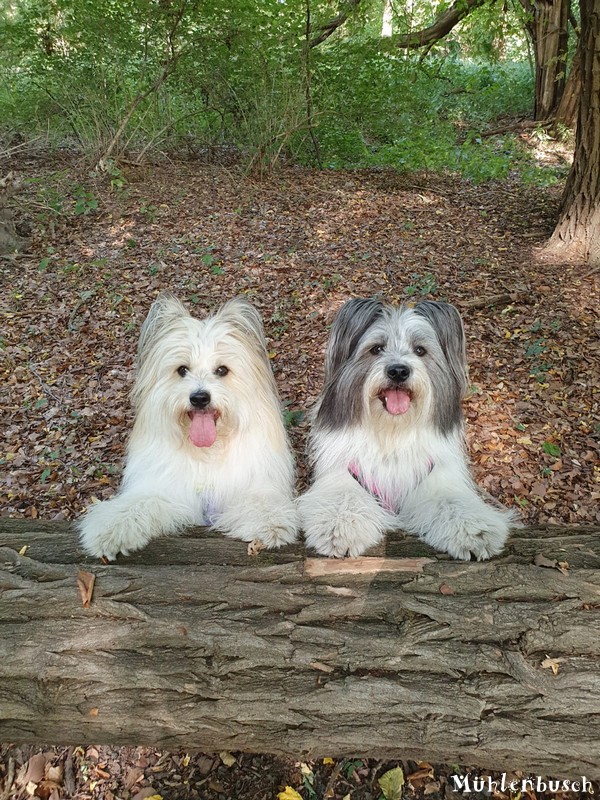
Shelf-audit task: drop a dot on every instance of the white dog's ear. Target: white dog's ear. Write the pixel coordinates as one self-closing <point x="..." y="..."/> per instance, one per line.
<point x="448" y="326"/>
<point x="165" y="310"/>
<point x="243" y="317"/>
<point x="352" y="321"/>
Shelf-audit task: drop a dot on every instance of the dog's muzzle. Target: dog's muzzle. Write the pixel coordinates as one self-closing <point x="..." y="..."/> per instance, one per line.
<point x="396" y="397"/>
<point x="203" y="420"/>
<point x="398" y="373"/>
<point x="200" y="399"/>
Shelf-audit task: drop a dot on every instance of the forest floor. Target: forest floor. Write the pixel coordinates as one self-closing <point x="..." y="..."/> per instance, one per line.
<point x="297" y="245"/>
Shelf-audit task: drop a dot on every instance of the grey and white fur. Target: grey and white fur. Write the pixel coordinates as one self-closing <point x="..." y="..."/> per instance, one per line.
<point x="387" y="445"/>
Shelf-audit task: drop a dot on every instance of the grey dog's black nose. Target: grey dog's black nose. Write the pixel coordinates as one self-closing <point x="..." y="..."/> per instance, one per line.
<point x="200" y="399"/>
<point x="398" y="373"/>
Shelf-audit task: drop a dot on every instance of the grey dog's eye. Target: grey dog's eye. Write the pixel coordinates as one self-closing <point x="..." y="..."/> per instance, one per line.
<point x="420" y="350"/>
<point x="182" y="371"/>
<point x="377" y="349"/>
<point x="222" y="371"/>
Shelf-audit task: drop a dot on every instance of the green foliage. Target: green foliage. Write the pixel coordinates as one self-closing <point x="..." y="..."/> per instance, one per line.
<point x="292" y="418"/>
<point x="85" y="202"/>
<point x="551" y="449"/>
<point x="421" y="285"/>
<point x="130" y="77"/>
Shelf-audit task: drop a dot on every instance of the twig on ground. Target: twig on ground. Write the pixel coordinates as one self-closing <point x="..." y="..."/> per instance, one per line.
<point x="497" y="300"/>
<point x="335" y="773"/>
<point x="10" y="776"/>
<point x="45" y="388"/>
<point x="69" y="772"/>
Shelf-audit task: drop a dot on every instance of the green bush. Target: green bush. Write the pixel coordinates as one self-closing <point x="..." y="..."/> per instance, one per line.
<point x="77" y="71"/>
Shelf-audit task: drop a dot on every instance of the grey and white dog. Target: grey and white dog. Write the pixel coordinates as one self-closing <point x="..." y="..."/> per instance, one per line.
<point x="387" y="442"/>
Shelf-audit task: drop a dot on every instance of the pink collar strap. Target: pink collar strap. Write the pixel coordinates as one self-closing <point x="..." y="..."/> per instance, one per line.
<point x="385" y="500"/>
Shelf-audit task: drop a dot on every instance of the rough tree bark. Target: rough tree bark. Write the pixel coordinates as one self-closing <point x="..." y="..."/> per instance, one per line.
<point x="405" y="654"/>
<point x="568" y="107"/>
<point x="577" y="232"/>
<point x="9" y="239"/>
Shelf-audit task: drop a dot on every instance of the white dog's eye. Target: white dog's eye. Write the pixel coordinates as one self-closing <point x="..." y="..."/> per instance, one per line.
<point x="222" y="371"/>
<point x="182" y="371"/>
<point x="377" y="349"/>
<point x="420" y="350"/>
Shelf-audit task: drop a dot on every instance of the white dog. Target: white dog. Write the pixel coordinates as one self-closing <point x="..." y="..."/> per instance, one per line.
<point x="208" y="446"/>
<point x="387" y="440"/>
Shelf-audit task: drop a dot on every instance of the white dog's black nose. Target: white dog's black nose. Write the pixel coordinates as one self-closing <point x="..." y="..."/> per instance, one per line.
<point x="200" y="399"/>
<point x="398" y="373"/>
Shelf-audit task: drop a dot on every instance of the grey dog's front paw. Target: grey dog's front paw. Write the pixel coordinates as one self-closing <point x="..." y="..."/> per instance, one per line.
<point x="468" y="538"/>
<point x="346" y="534"/>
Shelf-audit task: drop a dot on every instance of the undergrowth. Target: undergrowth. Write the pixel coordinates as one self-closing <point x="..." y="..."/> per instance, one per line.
<point x="369" y="109"/>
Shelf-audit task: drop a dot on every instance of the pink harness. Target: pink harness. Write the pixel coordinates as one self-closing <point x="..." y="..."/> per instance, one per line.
<point x="386" y="501"/>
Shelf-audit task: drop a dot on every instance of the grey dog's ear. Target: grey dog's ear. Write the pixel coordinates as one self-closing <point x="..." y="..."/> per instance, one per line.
<point x="164" y="311"/>
<point x="447" y="324"/>
<point x="352" y="321"/>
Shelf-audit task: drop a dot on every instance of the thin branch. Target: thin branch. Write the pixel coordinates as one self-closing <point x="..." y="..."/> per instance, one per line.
<point x="168" y="67"/>
<point x="64" y="109"/>
<point x="329" y="28"/>
<point x="574" y="21"/>
<point x="498" y="300"/>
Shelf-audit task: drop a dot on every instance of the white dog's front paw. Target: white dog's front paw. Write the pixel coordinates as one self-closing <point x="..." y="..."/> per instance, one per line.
<point x="271" y="521"/>
<point x="105" y="534"/>
<point x="278" y="533"/>
<point x="108" y="543"/>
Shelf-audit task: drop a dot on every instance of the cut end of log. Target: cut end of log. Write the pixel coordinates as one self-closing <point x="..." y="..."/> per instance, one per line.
<point x="319" y="567"/>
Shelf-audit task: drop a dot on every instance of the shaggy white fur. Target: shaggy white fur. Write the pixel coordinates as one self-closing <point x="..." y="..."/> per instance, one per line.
<point x="208" y="445"/>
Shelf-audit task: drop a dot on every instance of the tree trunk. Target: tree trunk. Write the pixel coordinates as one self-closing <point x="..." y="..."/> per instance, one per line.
<point x="550" y="33"/>
<point x="405" y="654"/>
<point x="440" y="27"/>
<point x="387" y="20"/>
<point x="9" y="239"/>
<point x="568" y="107"/>
<point x="577" y="232"/>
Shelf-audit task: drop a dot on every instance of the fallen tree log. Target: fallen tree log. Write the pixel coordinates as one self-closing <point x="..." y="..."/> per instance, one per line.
<point x="403" y="654"/>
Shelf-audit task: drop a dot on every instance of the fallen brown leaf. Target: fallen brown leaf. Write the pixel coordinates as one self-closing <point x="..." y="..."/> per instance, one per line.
<point x="85" y="584"/>
<point x="540" y="560"/>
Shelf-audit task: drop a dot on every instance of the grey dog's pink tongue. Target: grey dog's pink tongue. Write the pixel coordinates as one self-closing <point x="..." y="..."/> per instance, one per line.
<point x="203" y="430"/>
<point x="397" y="401"/>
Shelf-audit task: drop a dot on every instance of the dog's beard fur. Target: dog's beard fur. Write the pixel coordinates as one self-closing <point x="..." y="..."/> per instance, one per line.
<point x="387" y="444"/>
<point x="208" y="442"/>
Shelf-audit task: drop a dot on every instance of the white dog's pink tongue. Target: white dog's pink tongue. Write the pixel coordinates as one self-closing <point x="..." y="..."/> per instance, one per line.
<point x="397" y="401"/>
<point x="203" y="430"/>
